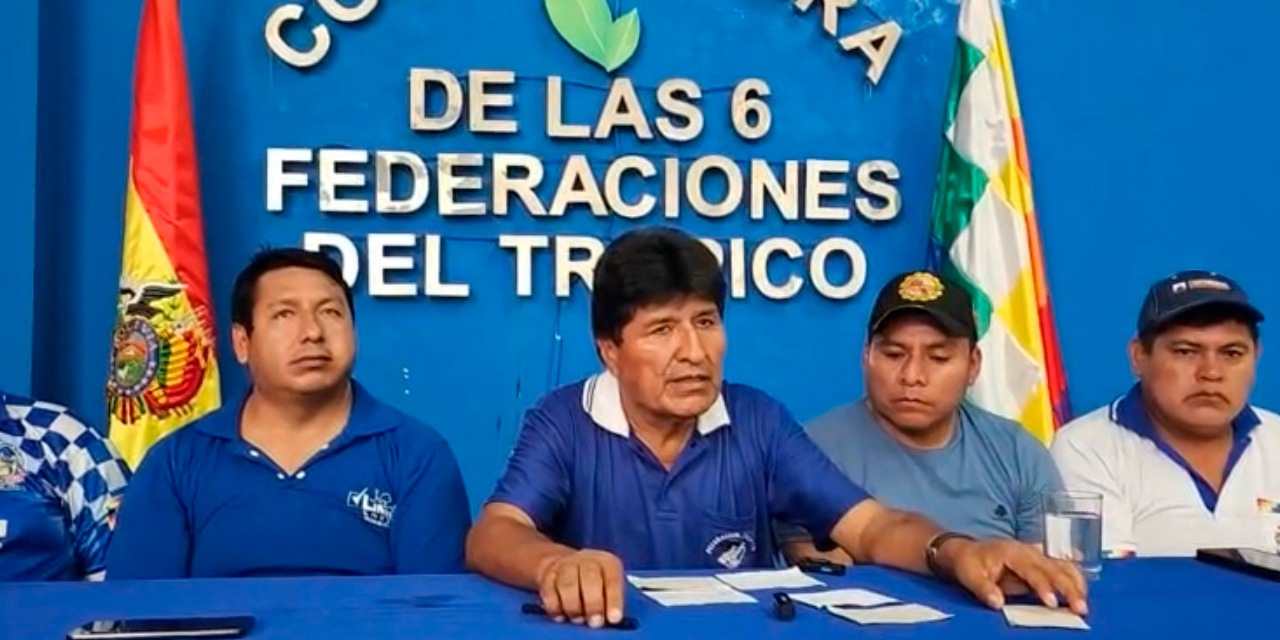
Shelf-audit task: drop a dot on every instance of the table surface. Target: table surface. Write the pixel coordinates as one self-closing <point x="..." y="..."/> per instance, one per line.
<point x="1136" y="598"/>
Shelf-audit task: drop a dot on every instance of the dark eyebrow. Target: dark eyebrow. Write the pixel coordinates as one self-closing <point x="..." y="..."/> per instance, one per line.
<point x="932" y="346"/>
<point x="657" y="320"/>
<point x="1192" y="344"/>
<point x="292" y="301"/>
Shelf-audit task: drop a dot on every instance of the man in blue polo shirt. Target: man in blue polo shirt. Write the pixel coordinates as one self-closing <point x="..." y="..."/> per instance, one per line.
<point x="60" y="481"/>
<point x="658" y="463"/>
<point x="310" y="474"/>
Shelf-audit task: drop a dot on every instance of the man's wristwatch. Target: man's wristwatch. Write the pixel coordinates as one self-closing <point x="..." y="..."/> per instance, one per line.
<point x="935" y="543"/>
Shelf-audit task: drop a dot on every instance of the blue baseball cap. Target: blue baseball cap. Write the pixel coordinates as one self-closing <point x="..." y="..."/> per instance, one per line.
<point x="1187" y="290"/>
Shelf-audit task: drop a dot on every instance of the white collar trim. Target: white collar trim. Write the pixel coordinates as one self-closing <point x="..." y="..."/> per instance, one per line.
<point x="602" y="400"/>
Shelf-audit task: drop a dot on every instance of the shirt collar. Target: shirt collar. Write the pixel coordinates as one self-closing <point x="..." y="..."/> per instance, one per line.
<point x="368" y="416"/>
<point x="602" y="400"/>
<point x="1129" y="412"/>
<point x="963" y="416"/>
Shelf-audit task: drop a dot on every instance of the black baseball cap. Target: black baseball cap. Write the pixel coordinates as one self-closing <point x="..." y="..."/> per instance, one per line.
<point x="1186" y="290"/>
<point x="948" y="303"/>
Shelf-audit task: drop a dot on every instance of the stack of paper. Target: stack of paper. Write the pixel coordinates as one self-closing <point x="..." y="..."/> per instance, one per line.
<point x="842" y="598"/>
<point x="1024" y="615"/>
<point x="675" y="583"/>
<point x="723" y="588"/>
<point x="696" y="598"/>
<point x="868" y="607"/>
<point x="791" y="578"/>
<point x="857" y="605"/>
<point x="680" y="591"/>
<point x="893" y="614"/>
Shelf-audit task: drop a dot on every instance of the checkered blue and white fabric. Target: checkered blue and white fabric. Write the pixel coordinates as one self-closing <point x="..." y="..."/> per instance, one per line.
<point x="53" y="453"/>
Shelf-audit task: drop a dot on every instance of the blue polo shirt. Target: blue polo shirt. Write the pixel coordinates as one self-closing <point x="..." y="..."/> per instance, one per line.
<point x="59" y="483"/>
<point x="385" y="496"/>
<point x="586" y="483"/>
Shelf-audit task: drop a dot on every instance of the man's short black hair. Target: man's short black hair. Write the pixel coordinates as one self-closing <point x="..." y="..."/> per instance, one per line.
<point x="244" y="291"/>
<point x="1199" y="318"/>
<point x="650" y="266"/>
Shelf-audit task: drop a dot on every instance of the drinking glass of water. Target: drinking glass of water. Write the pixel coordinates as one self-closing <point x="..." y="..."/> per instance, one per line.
<point x="1073" y="529"/>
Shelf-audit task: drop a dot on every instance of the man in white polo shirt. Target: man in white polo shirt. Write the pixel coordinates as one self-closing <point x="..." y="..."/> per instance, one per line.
<point x="1182" y="461"/>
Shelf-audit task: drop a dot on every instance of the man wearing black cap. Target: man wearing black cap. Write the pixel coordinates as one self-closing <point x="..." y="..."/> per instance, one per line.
<point x="1182" y="461"/>
<point x="913" y="442"/>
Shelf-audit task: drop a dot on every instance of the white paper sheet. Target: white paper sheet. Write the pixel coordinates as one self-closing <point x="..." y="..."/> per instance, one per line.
<point x="842" y="598"/>
<point x="677" y="583"/>
<point x="1030" y="615"/>
<point x="894" y="614"/>
<point x="681" y="591"/>
<point x="695" y="598"/>
<point x="792" y="578"/>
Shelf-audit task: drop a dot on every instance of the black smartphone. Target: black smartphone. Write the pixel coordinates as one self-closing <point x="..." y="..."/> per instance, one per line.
<point x="207" y="627"/>
<point x="818" y="565"/>
<point x="1262" y="564"/>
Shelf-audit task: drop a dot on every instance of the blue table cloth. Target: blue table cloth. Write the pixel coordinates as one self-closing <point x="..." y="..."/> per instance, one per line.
<point x="1139" y="598"/>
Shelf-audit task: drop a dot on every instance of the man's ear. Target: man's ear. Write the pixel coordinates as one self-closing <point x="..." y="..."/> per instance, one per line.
<point x="975" y="364"/>
<point x="240" y="343"/>
<point x="1137" y="357"/>
<point x="607" y="349"/>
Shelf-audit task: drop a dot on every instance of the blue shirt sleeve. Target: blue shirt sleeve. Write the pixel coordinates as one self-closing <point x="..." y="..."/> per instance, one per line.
<point x="92" y="477"/>
<point x="805" y="487"/>
<point x="432" y="513"/>
<point x="152" y="537"/>
<point x="1038" y="476"/>
<point x="537" y="479"/>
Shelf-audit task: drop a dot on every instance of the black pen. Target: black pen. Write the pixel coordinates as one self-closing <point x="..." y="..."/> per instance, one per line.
<point x="626" y="624"/>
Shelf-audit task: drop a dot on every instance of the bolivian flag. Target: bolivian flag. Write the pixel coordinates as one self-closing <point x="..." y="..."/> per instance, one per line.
<point x="984" y="231"/>
<point x="164" y="371"/>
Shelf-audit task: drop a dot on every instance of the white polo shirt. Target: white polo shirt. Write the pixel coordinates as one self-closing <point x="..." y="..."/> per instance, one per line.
<point x="1153" y="504"/>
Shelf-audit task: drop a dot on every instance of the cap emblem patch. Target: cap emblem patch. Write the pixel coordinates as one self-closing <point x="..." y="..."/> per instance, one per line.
<point x="920" y="287"/>
<point x="1200" y="283"/>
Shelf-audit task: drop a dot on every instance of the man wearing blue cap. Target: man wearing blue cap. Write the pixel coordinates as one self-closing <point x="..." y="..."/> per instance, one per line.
<point x="1182" y="461"/>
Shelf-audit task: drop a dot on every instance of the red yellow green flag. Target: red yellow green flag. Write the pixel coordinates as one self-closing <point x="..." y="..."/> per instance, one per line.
<point x="984" y="232"/>
<point x="164" y="370"/>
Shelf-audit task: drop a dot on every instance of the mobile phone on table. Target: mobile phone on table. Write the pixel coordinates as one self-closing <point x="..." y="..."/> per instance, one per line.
<point x="819" y="565"/>
<point x="129" y="628"/>
<point x="1262" y="564"/>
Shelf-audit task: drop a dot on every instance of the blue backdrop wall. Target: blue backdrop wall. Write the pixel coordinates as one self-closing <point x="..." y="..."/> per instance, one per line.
<point x="1149" y="123"/>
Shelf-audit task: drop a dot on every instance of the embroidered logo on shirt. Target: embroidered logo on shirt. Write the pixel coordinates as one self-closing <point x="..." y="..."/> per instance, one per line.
<point x="1268" y="507"/>
<point x="730" y="549"/>
<point x="375" y="506"/>
<point x="11" y="471"/>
